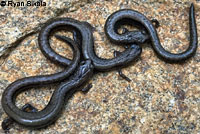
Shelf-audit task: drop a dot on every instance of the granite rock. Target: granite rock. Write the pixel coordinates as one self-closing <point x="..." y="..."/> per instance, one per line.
<point x="161" y="98"/>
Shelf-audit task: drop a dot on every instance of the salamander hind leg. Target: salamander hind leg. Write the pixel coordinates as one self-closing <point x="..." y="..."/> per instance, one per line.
<point x="155" y="22"/>
<point x="29" y="108"/>
<point x="7" y="122"/>
<point x="117" y="53"/>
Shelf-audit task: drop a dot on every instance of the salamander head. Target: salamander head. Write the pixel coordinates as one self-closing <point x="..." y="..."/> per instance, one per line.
<point x="85" y="69"/>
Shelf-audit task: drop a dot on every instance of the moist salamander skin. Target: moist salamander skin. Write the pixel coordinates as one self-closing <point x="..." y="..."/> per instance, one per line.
<point x="155" y="41"/>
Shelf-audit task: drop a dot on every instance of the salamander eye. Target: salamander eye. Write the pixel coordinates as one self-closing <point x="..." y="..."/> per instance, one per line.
<point x="82" y="63"/>
<point x="143" y="32"/>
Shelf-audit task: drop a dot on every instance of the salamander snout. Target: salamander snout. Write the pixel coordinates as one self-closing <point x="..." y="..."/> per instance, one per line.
<point x="136" y="47"/>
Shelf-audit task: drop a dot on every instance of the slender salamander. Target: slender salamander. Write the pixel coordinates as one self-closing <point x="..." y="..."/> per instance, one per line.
<point x="128" y="14"/>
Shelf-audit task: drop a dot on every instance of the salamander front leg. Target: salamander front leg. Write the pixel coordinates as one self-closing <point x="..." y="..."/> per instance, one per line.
<point x="86" y="89"/>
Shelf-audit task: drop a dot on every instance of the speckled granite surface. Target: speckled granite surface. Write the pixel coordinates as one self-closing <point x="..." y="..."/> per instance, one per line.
<point x="161" y="98"/>
<point x="19" y="21"/>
